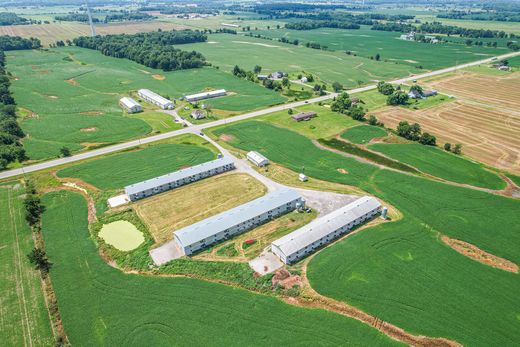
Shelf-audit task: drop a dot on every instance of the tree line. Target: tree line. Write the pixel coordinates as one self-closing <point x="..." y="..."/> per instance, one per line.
<point x="11" y="148"/>
<point x="10" y="18"/>
<point x="117" y="17"/>
<point x="314" y="24"/>
<point x="491" y="16"/>
<point x="151" y="49"/>
<point x="10" y="43"/>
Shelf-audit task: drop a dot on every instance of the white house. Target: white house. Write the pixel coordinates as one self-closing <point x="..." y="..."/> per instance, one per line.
<point x="237" y="220"/>
<point x="178" y="178"/>
<point x="257" y="159"/>
<point x="205" y="95"/>
<point x="155" y="99"/>
<point x="130" y="105"/>
<point x="321" y="231"/>
<point x="197" y="114"/>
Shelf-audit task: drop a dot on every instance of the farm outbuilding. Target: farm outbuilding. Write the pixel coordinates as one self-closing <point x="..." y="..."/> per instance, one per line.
<point x="130" y="105"/>
<point x="155" y="99"/>
<point x="257" y="159"/>
<point x="321" y="231"/>
<point x="178" y="178"/>
<point x="237" y="220"/>
<point x="205" y="95"/>
<point x="197" y="114"/>
<point x="304" y="116"/>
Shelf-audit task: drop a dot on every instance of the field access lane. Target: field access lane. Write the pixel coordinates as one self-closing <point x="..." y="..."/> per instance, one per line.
<point x="110" y="149"/>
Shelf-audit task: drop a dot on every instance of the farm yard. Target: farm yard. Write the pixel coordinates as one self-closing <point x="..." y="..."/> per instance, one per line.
<point x="367" y="43"/>
<point x="70" y="97"/>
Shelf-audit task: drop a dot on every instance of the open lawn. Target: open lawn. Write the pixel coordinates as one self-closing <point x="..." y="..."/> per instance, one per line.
<point x="442" y="164"/>
<point x="363" y="134"/>
<point x="181" y="207"/>
<point x="160" y="122"/>
<point x="326" y="124"/>
<point x="226" y="51"/>
<point x="102" y="306"/>
<point x="24" y="317"/>
<point x="367" y="43"/>
<point x="70" y="96"/>
<point x="411" y="275"/>
<point x="121" y="169"/>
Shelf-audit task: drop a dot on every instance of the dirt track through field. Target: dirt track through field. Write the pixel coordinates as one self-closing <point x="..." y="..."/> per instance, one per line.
<point x="487" y="134"/>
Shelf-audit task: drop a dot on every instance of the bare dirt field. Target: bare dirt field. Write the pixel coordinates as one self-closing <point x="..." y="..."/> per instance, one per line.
<point x="180" y="207"/>
<point x="489" y="135"/>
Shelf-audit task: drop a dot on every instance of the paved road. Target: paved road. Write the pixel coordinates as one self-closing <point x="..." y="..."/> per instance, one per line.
<point x="199" y="127"/>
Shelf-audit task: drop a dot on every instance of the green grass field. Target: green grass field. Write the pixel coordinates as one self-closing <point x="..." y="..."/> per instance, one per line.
<point x="25" y="321"/>
<point x="410" y="276"/>
<point x="363" y="134"/>
<point x="102" y="306"/>
<point x="85" y="109"/>
<point x="225" y="51"/>
<point x="367" y="43"/>
<point x="326" y="124"/>
<point x="441" y="164"/>
<point x="118" y="170"/>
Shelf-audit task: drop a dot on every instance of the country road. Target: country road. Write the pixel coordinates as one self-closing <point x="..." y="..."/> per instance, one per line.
<point x="199" y="127"/>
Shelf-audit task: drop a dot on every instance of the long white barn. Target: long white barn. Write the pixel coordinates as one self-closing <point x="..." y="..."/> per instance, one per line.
<point x="236" y="220"/>
<point x="178" y="178"/>
<point x="155" y="99"/>
<point x="321" y="231"/>
<point x="205" y="95"/>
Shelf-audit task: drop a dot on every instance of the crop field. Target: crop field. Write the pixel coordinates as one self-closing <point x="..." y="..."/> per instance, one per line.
<point x="102" y="306"/>
<point x="426" y="276"/>
<point x="441" y="164"/>
<point x="489" y="135"/>
<point x="70" y="96"/>
<point x="181" y="207"/>
<point x="367" y="43"/>
<point x="25" y="321"/>
<point x="503" y="93"/>
<point x="363" y="134"/>
<point x="118" y="170"/>
<point x="326" y="124"/>
<point x="226" y="50"/>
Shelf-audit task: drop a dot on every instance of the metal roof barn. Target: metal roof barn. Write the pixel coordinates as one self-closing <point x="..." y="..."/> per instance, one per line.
<point x="155" y="98"/>
<point x="257" y="159"/>
<point x="223" y="221"/>
<point x="205" y="95"/>
<point x="178" y="175"/>
<point x="308" y="235"/>
<point x="130" y="104"/>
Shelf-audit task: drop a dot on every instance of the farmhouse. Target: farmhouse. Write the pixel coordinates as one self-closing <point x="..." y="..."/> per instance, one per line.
<point x="257" y="159"/>
<point x="205" y="95"/>
<point x="155" y="99"/>
<point x="277" y="75"/>
<point x="130" y="105"/>
<point x="178" y="178"/>
<point x="304" y="116"/>
<point x="237" y="220"/>
<point x="197" y="114"/>
<point x="414" y="94"/>
<point x="321" y="231"/>
<point x="408" y="37"/>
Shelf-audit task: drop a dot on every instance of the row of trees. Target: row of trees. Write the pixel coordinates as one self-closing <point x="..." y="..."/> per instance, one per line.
<point x="314" y="24"/>
<point x="117" y="17"/>
<point x="11" y="148"/>
<point x="10" y="43"/>
<point x="492" y="16"/>
<point x="151" y="49"/>
<point x="10" y="18"/>
<point x="413" y="132"/>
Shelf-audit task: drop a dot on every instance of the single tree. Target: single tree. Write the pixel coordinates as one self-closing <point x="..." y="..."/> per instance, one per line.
<point x="65" y="151"/>
<point x="457" y="149"/>
<point x="257" y="69"/>
<point x="290" y="111"/>
<point x="447" y="146"/>
<point x="378" y="57"/>
<point x="372" y="120"/>
<point x="39" y="259"/>
<point x="337" y="87"/>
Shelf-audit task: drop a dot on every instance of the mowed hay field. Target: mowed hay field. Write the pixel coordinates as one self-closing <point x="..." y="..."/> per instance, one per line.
<point x="402" y="273"/>
<point x="489" y="135"/>
<point x="102" y="306"/>
<point x="226" y="51"/>
<point x="367" y="43"/>
<point x="24" y="318"/>
<point x="70" y="96"/>
<point x="186" y="205"/>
